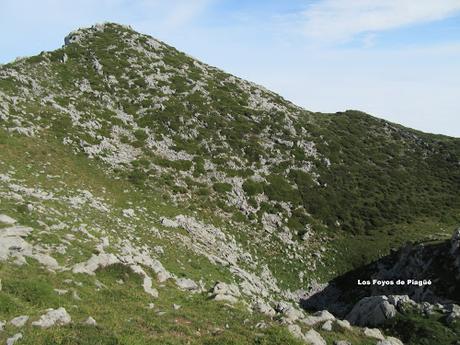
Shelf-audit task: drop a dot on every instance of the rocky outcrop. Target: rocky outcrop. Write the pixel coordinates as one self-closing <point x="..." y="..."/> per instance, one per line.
<point x="371" y="311"/>
<point x="53" y="317"/>
<point x="226" y="292"/>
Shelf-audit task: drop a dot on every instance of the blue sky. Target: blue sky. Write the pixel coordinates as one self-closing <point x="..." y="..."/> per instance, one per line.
<point x="395" y="59"/>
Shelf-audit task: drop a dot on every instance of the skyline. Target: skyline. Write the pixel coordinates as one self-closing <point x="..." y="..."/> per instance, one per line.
<point x="397" y="60"/>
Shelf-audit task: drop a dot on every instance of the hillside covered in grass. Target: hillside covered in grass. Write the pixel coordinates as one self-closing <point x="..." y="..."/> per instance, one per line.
<point x="174" y="203"/>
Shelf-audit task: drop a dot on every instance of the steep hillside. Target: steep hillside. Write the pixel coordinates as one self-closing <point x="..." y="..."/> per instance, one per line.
<point x="134" y="178"/>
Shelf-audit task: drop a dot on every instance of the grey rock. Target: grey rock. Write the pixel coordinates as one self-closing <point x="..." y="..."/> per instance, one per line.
<point x="314" y="338"/>
<point x="374" y="333"/>
<point x="7" y="219"/>
<point x="53" y="317"/>
<point x="327" y="326"/>
<point x="226" y="292"/>
<point x="19" y="321"/>
<point x="264" y="308"/>
<point x="371" y="311"/>
<point x="390" y="341"/>
<point x="187" y="284"/>
<point x="341" y="342"/>
<point x="13" y="339"/>
<point x="90" y="321"/>
<point x="343" y="324"/>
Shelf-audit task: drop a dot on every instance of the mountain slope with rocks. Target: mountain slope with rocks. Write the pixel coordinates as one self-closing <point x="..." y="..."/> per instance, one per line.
<point x="146" y="197"/>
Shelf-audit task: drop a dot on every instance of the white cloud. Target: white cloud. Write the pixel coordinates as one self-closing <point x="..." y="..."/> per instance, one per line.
<point x="341" y="20"/>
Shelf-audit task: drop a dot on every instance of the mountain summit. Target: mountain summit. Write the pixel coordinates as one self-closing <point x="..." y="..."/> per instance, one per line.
<point x="147" y="197"/>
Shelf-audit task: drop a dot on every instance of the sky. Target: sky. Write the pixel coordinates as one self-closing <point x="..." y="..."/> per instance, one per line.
<point x="395" y="59"/>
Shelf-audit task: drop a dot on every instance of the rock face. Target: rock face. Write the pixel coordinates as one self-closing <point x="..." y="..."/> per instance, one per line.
<point x="53" y="317"/>
<point x="371" y="311"/>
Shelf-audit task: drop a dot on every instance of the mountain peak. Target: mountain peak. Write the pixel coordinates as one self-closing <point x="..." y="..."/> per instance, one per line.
<point x="79" y="34"/>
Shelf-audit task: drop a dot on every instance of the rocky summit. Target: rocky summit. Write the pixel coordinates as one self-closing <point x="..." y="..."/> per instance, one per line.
<point x="149" y="198"/>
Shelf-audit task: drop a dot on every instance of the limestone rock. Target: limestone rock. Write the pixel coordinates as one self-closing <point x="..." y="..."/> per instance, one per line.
<point x="187" y="284"/>
<point x="226" y="292"/>
<point x="390" y="341"/>
<point x="296" y="331"/>
<point x="343" y="324"/>
<point x="400" y="300"/>
<point x="264" y="308"/>
<point x="327" y="326"/>
<point x="373" y="333"/>
<point x="7" y="219"/>
<point x="90" y="321"/>
<point x="290" y="313"/>
<point x="13" y="339"/>
<point x="371" y="311"/>
<point x="318" y="317"/>
<point x="314" y="338"/>
<point x="169" y="223"/>
<point x="19" y="321"/>
<point x="94" y="263"/>
<point x="58" y="317"/>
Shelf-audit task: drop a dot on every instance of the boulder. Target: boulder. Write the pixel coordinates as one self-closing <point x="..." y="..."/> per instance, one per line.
<point x="19" y="321"/>
<point x="187" y="284"/>
<point x="371" y="311"/>
<point x="58" y="317"/>
<point x="7" y="219"/>
<point x="13" y="339"/>
<point x="341" y="342"/>
<point x="90" y="321"/>
<point x="314" y="338"/>
<point x="327" y="326"/>
<point x="374" y="333"/>
<point x="344" y="324"/>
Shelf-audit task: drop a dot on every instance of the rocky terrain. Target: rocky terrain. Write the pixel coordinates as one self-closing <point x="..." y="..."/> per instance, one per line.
<point x="148" y="198"/>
